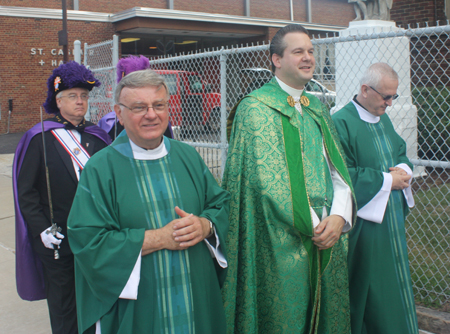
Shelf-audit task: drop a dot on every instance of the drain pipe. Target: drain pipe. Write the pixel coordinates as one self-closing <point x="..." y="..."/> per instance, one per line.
<point x="308" y="11"/>
<point x="291" y="7"/>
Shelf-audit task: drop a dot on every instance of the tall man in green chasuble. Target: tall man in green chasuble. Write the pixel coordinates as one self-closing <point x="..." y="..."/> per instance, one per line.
<point x="381" y="296"/>
<point x="291" y="200"/>
<point x="148" y="226"/>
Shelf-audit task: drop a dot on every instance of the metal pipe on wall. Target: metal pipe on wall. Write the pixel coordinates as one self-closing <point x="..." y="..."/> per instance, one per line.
<point x="308" y="11"/>
<point x="247" y="8"/>
<point x="76" y="5"/>
<point x="291" y="7"/>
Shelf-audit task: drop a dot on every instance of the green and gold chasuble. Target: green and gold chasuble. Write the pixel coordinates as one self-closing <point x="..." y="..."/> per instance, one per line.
<point x="118" y="198"/>
<point x="278" y="281"/>
<point x="381" y="296"/>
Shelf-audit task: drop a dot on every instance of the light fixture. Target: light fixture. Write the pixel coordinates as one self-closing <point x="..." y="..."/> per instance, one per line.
<point x="186" y="42"/>
<point x="128" y="40"/>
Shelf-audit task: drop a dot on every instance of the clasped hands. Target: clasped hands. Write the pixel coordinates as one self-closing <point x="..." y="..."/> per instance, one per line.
<point x="400" y="179"/>
<point x="179" y="234"/>
<point x="328" y="232"/>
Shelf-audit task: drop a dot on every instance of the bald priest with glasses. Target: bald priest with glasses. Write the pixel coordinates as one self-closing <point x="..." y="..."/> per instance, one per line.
<point x="381" y="296"/>
<point x="148" y="226"/>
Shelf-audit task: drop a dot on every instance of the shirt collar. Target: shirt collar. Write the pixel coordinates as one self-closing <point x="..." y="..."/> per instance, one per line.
<point x="295" y="93"/>
<point x="140" y="153"/>
<point x="364" y="114"/>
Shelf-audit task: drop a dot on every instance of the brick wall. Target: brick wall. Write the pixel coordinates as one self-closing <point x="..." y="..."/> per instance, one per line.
<point x="23" y="78"/>
<point x="406" y="12"/>
<point x="226" y="7"/>
<point x="337" y="12"/>
<point x="26" y="44"/>
<point x="35" y="3"/>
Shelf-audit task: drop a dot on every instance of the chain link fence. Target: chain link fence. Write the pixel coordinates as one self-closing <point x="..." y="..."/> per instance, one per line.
<point x="101" y="59"/>
<point x="205" y="86"/>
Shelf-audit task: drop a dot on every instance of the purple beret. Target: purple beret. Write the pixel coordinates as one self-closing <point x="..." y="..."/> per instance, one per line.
<point x="130" y="64"/>
<point x="66" y="76"/>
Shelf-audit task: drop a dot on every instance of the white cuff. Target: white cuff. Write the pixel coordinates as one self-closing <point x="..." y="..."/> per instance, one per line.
<point x="342" y="200"/>
<point x="216" y="252"/>
<point x="374" y="210"/>
<point x="130" y="291"/>
<point x="407" y="192"/>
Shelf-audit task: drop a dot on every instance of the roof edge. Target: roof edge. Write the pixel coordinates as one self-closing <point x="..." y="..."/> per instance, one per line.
<point x="169" y="14"/>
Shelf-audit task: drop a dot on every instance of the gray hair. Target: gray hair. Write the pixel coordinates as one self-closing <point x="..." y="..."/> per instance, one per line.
<point x="376" y="73"/>
<point x="139" y="79"/>
<point x="278" y="44"/>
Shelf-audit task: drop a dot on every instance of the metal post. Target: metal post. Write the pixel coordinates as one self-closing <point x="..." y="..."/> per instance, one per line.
<point x="77" y="51"/>
<point x="308" y="11"/>
<point x="63" y="38"/>
<point x="247" y="7"/>
<point x="115" y="50"/>
<point x="223" y="112"/>
<point x="291" y="8"/>
<point x="85" y="54"/>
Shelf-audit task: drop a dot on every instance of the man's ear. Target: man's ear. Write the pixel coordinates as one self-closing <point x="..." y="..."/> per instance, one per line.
<point x="276" y="59"/>
<point x="58" y="102"/>
<point x="364" y="89"/>
<point x="118" y="111"/>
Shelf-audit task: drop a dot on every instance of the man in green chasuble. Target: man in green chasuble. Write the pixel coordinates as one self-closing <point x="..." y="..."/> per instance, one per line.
<point x="381" y="296"/>
<point x="291" y="202"/>
<point x="148" y="226"/>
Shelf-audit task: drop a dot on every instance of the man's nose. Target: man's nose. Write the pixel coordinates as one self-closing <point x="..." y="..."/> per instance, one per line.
<point x="150" y="112"/>
<point x="308" y="56"/>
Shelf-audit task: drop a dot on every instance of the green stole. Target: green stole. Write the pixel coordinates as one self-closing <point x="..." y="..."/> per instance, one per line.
<point x="307" y="189"/>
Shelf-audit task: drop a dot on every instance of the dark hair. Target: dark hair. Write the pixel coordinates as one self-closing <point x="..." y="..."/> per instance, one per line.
<point x="278" y="45"/>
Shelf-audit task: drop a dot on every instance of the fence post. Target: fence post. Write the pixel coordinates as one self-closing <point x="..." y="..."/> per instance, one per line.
<point x="223" y="112"/>
<point x="85" y="54"/>
<point x="115" y="51"/>
<point x="77" y="51"/>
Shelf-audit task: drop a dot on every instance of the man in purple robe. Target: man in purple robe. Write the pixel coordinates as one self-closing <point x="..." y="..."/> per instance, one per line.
<point x="125" y="66"/>
<point x="69" y="142"/>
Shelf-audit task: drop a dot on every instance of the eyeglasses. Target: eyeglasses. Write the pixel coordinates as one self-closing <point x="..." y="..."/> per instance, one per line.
<point x="385" y="97"/>
<point x="158" y="108"/>
<point x="74" y="97"/>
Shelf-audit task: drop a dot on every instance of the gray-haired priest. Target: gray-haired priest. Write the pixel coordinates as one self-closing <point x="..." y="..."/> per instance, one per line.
<point x="381" y="294"/>
<point x="148" y="226"/>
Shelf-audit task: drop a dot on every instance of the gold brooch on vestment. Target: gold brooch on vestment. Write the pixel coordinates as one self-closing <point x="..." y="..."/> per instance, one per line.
<point x="291" y="101"/>
<point x="304" y="100"/>
<point x="76" y="150"/>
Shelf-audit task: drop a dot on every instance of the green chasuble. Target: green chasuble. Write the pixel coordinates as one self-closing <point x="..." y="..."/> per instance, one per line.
<point x="381" y="296"/>
<point x="278" y="281"/>
<point x="118" y="198"/>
